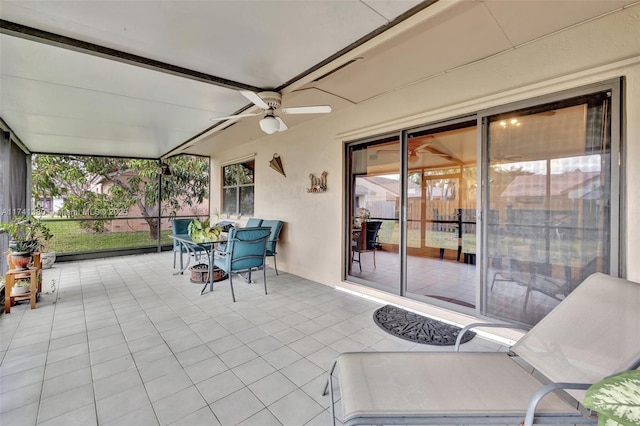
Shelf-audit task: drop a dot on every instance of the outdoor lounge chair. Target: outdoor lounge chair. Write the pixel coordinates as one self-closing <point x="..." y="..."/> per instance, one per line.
<point x="590" y="335"/>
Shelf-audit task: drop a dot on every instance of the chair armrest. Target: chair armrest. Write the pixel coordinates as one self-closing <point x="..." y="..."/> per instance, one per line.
<point x="456" y="348"/>
<point x="221" y="249"/>
<point x="542" y="392"/>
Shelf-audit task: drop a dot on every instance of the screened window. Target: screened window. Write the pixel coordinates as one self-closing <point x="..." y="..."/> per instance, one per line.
<point x="237" y="188"/>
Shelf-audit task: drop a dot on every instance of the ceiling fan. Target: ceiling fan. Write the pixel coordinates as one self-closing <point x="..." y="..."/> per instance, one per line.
<point x="270" y="103"/>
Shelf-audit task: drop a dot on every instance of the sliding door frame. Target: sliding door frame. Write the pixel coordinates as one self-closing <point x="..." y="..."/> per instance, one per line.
<point x="617" y="262"/>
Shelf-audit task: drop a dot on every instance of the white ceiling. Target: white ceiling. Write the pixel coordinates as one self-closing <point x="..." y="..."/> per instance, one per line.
<point x="59" y="100"/>
<point x="66" y="101"/>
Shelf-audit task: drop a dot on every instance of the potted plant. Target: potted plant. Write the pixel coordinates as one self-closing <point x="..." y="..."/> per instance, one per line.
<point x="616" y="399"/>
<point x="203" y="232"/>
<point x="27" y="234"/>
<point x="20" y="287"/>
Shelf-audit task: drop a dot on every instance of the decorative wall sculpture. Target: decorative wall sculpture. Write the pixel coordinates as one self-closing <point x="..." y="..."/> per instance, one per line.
<point x="276" y="164"/>
<point x="318" y="182"/>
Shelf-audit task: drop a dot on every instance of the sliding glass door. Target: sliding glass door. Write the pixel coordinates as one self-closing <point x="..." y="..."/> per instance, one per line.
<point x="548" y="204"/>
<point x="441" y="214"/>
<point x="374" y="212"/>
<point x="501" y="214"/>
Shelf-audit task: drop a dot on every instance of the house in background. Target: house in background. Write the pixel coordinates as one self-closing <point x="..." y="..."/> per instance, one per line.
<point x="50" y="205"/>
<point x="135" y="218"/>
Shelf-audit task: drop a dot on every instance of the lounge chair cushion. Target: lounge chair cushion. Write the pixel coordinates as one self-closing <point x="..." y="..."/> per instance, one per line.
<point x="584" y="340"/>
<point x="438" y="384"/>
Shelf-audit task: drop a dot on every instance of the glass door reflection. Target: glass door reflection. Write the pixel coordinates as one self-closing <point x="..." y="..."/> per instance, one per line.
<point x="548" y="198"/>
<point x="441" y="221"/>
<point x="374" y="214"/>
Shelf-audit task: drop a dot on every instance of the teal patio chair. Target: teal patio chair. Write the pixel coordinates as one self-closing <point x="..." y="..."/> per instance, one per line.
<point x="245" y="252"/>
<point x="276" y="227"/>
<point x="253" y="222"/>
<point x="366" y="242"/>
<point x="226" y="226"/>
<point x="180" y="227"/>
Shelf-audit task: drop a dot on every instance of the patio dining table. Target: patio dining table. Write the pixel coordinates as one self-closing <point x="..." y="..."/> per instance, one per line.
<point x="208" y="247"/>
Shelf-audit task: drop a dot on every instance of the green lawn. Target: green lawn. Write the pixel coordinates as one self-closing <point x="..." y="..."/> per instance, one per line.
<point x="70" y="237"/>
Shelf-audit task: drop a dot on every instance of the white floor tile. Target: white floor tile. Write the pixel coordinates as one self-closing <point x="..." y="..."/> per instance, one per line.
<point x="65" y="402"/>
<point x="219" y="386"/>
<point x="261" y="418"/>
<point x="83" y="416"/>
<point x="236" y="407"/>
<point x="297" y="408"/>
<point x="179" y="405"/>
<point x="23" y="416"/>
<point x="271" y="388"/>
<point x="253" y="370"/>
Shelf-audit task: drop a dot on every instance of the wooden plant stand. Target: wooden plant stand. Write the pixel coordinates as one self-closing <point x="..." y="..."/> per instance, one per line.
<point x="32" y="274"/>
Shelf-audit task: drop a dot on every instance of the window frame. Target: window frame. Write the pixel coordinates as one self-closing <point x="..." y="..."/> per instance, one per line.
<point x="237" y="186"/>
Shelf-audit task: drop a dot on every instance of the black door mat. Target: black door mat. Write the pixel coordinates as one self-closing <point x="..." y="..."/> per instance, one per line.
<point x="417" y="328"/>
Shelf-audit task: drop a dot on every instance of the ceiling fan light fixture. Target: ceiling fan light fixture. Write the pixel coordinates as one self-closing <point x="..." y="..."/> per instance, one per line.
<point x="269" y="124"/>
<point x="269" y="103"/>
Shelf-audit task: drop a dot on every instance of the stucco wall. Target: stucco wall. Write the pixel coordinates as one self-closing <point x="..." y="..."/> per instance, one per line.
<point x="311" y="241"/>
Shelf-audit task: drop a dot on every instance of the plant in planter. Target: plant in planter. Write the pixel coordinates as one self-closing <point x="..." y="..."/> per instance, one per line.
<point x="203" y="232"/>
<point x="27" y="234"/>
<point x="616" y="399"/>
<point x="20" y="287"/>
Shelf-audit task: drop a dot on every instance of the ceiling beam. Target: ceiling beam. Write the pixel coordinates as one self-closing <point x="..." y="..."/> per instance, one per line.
<point x="40" y="36"/>
<point x="361" y="41"/>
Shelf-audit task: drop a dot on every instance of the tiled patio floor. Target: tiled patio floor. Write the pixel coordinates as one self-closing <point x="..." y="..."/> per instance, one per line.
<point x="122" y="341"/>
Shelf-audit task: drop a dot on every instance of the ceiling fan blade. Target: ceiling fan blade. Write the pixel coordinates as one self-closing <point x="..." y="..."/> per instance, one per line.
<point x="317" y="109"/>
<point x="434" y="154"/>
<point x="283" y="126"/>
<point x="510" y="159"/>
<point x="424" y="145"/>
<point x="254" y="98"/>
<point x="229" y="117"/>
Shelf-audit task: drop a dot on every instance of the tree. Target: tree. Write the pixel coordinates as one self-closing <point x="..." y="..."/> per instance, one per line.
<point x="131" y="182"/>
